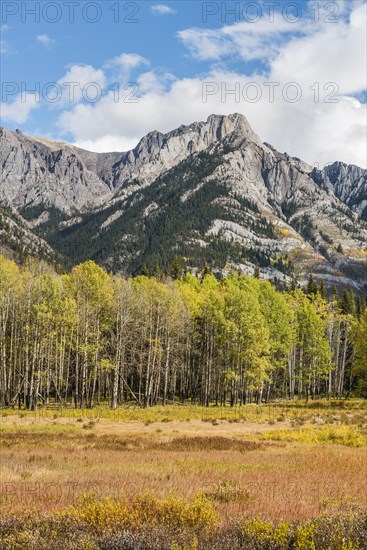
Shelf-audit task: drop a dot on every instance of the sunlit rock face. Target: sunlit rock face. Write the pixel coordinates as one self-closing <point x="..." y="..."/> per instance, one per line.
<point x="211" y="181"/>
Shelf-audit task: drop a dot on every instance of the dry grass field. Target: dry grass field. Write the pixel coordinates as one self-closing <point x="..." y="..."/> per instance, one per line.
<point x="265" y="464"/>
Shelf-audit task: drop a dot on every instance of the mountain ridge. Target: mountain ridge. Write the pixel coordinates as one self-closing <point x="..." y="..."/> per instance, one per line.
<point x="223" y="187"/>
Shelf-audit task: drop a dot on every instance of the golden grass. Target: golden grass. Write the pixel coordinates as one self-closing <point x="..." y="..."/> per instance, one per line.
<point x="300" y="461"/>
<point x="342" y="435"/>
<point x="186" y="412"/>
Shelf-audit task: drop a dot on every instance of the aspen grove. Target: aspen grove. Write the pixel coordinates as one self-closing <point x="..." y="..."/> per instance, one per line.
<point x="88" y="338"/>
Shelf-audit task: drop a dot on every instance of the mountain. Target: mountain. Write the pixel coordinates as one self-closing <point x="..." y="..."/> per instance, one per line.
<point x="347" y="182"/>
<point x="37" y="171"/>
<point x="210" y="192"/>
<point x="17" y="241"/>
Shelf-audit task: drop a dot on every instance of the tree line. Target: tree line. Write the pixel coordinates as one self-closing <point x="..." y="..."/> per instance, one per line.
<point x="87" y="337"/>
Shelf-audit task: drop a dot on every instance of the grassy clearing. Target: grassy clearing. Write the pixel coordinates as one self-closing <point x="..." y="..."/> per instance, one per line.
<point x="294" y="466"/>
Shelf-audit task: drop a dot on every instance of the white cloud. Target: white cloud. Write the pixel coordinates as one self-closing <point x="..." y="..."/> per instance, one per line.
<point x="108" y="143"/>
<point x="45" y="40"/>
<point x="206" y="44"/>
<point x="121" y="67"/>
<point x="162" y="9"/>
<point x="313" y="128"/>
<point x="152" y="82"/>
<point x="316" y="132"/>
<point x="246" y="40"/>
<point x="19" y="110"/>
<point x="337" y="53"/>
<point x="4" y="48"/>
<point x="4" y="45"/>
<point x="81" y="81"/>
<point x="127" y="61"/>
<point x="305" y="51"/>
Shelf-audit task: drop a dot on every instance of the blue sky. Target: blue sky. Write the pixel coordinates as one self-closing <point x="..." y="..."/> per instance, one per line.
<point x="106" y="73"/>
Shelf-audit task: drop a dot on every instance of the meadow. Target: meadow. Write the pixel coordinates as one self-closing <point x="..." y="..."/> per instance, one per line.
<point x="279" y="476"/>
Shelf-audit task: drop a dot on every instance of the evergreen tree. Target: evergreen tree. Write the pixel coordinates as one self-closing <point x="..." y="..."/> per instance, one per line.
<point x="144" y="270"/>
<point x="293" y="285"/>
<point x="157" y="271"/>
<point x="360" y="305"/>
<point x="322" y="289"/>
<point x="335" y="295"/>
<point x="176" y="269"/>
<point x="312" y="288"/>
<point x="347" y="302"/>
<point x="206" y="271"/>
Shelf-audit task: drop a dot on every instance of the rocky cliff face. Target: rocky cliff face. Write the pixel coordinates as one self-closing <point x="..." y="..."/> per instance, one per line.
<point x="156" y="152"/>
<point x="210" y="191"/>
<point x="36" y="172"/>
<point x="39" y="171"/>
<point x="347" y="182"/>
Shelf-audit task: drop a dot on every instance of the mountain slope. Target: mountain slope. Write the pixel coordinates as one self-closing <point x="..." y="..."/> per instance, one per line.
<point x="211" y="192"/>
<point x="347" y="182"/>
<point x="17" y="240"/>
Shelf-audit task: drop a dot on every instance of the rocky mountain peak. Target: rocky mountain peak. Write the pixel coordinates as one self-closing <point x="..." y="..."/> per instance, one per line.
<point x="38" y="170"/>
<point x="222" y="126"/>
<point x="209" y="190"/>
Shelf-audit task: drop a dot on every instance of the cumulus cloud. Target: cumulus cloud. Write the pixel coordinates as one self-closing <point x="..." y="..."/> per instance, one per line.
<point x="121" y="67"/>
<point x="127" y="61"/>
<point x="206" y="44"/>
<point x="306" y="50"/>
<point x="109" y="142"/>
<point x="20" y="108"/>
<point x="337" y="53"/>
<point x="317" y="132"/>
<point x="81" y="82"/>
<point x="162" y="9"/>
<point x="45" y="40"/>
<point x="260" y="40"/>
<point x="325" y="62"/>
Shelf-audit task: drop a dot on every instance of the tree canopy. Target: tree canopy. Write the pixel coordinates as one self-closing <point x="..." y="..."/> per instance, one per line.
<point x="88" y="337"/>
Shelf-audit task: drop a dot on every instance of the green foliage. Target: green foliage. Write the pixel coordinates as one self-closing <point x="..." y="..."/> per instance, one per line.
<point x="359" y="338"/>
<point x="183" y="211"/>
<point x="305" y="227"/>
<point x="87" y="336"/>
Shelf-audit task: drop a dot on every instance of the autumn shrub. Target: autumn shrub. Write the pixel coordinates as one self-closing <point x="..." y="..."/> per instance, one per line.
<point x="89" y="426"/>
<point x="227" y="491"/>
<point x="264" y="534"/>
<point x="342" y="531"/>
<point x="171" y="524"/>
<point x="143" y="510"/>
<point x="30" y="529"/>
